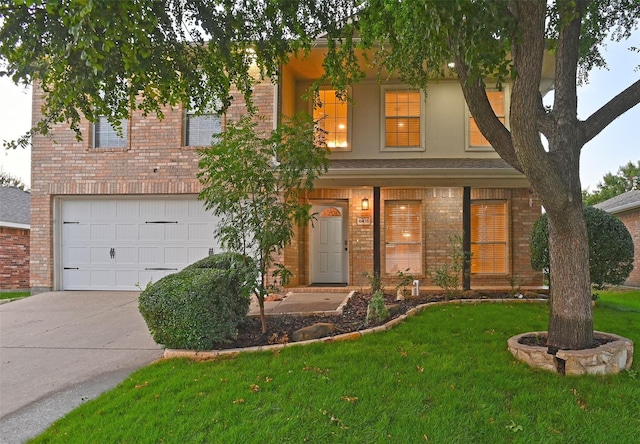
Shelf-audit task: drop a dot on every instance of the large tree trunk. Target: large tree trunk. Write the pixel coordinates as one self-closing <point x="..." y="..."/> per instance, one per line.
<point x="570" y="318"/>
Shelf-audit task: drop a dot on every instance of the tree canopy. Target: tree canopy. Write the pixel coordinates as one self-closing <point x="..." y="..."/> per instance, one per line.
<point x="626" y="179"/>
<point x="102" y="57"/>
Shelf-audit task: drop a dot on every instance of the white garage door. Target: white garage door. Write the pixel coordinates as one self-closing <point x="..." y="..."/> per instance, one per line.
<point x="123" y="244"/>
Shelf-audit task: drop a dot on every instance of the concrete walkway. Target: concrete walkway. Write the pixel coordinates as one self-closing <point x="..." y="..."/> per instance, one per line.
<point x="304" y="302"/>
<point x="60" y="349"/>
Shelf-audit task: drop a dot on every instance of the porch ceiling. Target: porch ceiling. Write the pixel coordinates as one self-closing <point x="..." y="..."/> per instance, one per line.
<point x="421" y="173"/>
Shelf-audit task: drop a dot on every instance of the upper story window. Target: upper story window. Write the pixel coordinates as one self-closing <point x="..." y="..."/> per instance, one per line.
<point x="106" y="136"/>
<point x="489" y="237"/>
<point x="403" y="117"/>
<point x="476" y="140"/>
<point x="332" y="117"/>
<point x="403" y="236"/>
<point x="200" y="129"/>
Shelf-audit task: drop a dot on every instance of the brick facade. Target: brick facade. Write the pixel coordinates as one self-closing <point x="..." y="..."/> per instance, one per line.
<point x="631" y="219"/>
<point x="154" y="162"/>
<point x="441" y="218"/>
<point x="14" y="258"/>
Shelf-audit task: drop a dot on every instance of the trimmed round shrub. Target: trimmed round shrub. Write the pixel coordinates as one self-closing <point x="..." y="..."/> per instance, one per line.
<point x="610" y="247"/>
<point x="199" y="307"/>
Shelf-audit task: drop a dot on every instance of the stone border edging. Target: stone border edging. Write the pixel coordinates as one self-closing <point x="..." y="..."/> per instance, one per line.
<point x="212" y="354"/>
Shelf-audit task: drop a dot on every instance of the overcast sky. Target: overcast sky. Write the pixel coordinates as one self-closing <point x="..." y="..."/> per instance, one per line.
<point x="618" y="144"/>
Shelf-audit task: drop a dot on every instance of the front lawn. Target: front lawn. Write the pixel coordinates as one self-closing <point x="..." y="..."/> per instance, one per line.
<point x="444" y="376"/>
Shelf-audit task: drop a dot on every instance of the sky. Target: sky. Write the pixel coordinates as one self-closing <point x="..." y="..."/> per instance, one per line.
<point x="618" y="144"/>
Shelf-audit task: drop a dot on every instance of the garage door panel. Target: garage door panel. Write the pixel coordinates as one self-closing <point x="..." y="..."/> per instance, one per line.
<point x="76" y="231"/>
<point x="76" y="279"/>
<point x="150" y="239"/>
<point x="126" y="255"/>
<point x="201" y="232"/>
<point x="176" y="209"/>
<point x="76" y="256"/>
<point x="176" y="232"/>
<point x="175" y="255"/>
<point x="152" y="209"/>
<point x="102" y="279"/>
<point x="103" y="232"/>
<point x="128" y="209"/>
<point x="152" y="232"/>
<point x="150" y="255"/>
<point x="101" y="256"/>
<point x="127" y="232"/>
<point x="125" y="278"/>
<point x="103" y="209"/>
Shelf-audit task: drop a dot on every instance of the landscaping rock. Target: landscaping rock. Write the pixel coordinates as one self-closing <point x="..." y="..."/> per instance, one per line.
<point x="315" y="331"/>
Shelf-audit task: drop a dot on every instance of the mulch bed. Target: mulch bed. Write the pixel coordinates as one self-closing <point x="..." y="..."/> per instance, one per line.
<point x="281" y="327"/>
<point x="541" y="340"/>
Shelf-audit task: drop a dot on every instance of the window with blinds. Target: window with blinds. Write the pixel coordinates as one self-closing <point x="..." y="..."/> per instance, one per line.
<point x="403" y="236"/>
<point x="201" y="129"/>
<point x="402" y="110"/>
<point x="489" y="237"/>
<point x="476" y="139"/>
<point x="106" y="136"/>
<point x="330" y="113"/>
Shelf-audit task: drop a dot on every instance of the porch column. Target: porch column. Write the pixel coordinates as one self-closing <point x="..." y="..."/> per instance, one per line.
<point x="376" y="232"/>
<point x="466" y="238"/>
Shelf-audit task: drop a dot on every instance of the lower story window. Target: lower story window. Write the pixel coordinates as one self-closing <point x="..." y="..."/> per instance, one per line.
<point x="489" y="237"/>
<point x="403" y="236"/>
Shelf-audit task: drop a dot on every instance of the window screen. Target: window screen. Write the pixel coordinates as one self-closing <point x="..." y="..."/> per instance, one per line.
<point x="489" y="237"/>
<point x="403" y="236"/>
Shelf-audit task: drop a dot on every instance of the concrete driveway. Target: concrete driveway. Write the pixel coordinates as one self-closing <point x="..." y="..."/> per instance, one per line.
<point x="60" y="349"/>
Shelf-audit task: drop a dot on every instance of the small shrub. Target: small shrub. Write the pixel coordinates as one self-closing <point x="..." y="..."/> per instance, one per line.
<point x="375" y="281"/>
<point x="201" y="305"/>
<point x="376" y="311"/>
<point x="447" y="276"/>
<point x="610" y="247"/>
<point x="405" y="280"/>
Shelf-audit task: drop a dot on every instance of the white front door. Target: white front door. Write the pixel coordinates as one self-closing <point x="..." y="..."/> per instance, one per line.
<point x="329" y="248"/>
<point x="125" y="243"/>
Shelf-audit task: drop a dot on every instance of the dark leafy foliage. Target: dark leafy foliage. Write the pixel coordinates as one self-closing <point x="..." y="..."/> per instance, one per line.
<point x="610" y="247"/>
<point x="201" y="305"/>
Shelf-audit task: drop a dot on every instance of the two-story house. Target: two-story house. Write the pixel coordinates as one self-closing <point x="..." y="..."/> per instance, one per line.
<point x="409" y="169"/>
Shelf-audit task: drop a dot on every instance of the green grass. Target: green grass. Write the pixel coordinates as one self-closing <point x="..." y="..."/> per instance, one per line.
<point x="444" y="376"/>
<point x="621" y="299"/>
<point x="14" y="294"/>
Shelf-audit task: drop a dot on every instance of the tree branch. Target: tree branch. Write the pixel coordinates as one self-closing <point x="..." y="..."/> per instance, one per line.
<point x="490" y="126"/>
<point x="613" y="109"/>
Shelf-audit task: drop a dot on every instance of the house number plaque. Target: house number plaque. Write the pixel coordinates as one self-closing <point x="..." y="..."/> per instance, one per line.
<point x="364" y="221"/>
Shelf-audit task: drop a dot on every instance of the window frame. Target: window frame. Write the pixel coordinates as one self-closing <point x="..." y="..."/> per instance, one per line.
<point x="383" y="119"/>
<point x="467" y="128"/>
<point x="312" y="110"/>
<point x="190" y="113"/>
<point x="420" y="234"/>
<point x="507" y="236"/>
<point x="124" y="123"/>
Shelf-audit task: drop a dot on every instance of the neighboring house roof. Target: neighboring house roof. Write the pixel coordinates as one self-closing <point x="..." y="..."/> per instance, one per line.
<point x="15" y="207"/>
<point x="623" y="202"/>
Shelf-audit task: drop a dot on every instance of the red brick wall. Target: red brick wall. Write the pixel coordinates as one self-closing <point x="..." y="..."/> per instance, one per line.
<point x="632" y="221"/>
<point x="154" y="162"/>
<point x="14" y="258"/>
